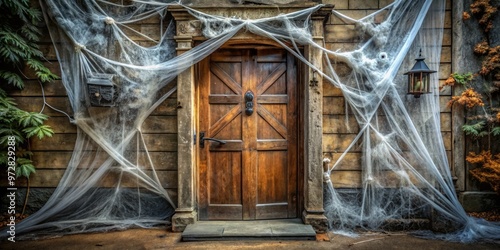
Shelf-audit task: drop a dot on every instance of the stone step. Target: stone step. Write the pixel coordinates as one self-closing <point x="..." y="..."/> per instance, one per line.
<point x="290" y="229"/>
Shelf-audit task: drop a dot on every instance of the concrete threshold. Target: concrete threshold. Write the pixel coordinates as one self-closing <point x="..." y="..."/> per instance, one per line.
<point x="289" y="229"/>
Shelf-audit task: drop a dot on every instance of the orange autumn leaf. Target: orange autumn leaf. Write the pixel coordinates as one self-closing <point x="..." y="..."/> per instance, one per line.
<point x="465" y="15"/>
<point x="450" y="81"/>
<point x="482" y="48"/>
<point x="469" y="98"/>
<point x="489" y="172"/>
<point x="485" y="12"/>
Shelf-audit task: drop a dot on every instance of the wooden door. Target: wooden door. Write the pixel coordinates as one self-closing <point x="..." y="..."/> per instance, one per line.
<point x="254" y="174"/>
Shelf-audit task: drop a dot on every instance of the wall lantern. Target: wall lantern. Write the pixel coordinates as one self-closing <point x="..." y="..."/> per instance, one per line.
<point x="101" y="90"/>
<point x="419" y="77"/>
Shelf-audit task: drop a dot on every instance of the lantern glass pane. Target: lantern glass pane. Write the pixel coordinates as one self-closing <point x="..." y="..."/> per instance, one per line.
<point x="426" y="82"/>
<point x="418" y="83"/>
<point x="410" y="82"/>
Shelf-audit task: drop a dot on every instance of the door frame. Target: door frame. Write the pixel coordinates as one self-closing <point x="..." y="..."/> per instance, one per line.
<point x="262" y="43"/>
<point x="188" y="34"/>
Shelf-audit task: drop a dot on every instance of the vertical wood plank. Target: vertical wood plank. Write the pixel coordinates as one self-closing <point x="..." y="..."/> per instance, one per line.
<point x="250" y="154"/>
<point x="293" y="123"/>
<point x="203" y="187"/>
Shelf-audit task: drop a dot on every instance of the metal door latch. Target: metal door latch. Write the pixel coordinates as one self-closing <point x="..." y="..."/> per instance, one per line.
<point x="203" y="139"/>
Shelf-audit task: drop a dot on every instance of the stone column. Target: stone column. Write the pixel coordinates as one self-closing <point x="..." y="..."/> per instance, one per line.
<point x="313" y="213"/>
<point x="185" y="213"/>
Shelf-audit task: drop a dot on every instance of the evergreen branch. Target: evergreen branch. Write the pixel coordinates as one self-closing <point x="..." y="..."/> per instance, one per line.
<point x="12" y="55"/>
<point x="8" y="103"/>
<point x="495" y="131"/>
<point x="10" y="38"/>
<point x="20" y="8"/>
<point x="474" y="129"/>
<point x="12" y="78"/>
<point x="31" y="32"/>
<point x="3" y="158"/>
<point x="6" y="133"/>
<point x="41" y="71"/>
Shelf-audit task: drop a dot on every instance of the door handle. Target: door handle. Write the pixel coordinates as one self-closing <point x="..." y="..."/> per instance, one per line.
<point x="203" y="139"/>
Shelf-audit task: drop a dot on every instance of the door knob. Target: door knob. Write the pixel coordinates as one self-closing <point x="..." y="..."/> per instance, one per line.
<point x="249" y="102"/>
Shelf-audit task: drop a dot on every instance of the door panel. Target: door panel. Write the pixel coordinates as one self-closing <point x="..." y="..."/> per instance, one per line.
<point x="254" y="174"/>
<point x="228" y="189"/>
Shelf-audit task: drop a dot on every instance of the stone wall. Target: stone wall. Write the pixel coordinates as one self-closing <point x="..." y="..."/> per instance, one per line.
<point x="473" y="195"/>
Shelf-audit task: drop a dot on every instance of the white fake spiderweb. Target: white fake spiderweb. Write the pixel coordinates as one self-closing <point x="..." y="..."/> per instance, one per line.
<point x="404" y="168"/>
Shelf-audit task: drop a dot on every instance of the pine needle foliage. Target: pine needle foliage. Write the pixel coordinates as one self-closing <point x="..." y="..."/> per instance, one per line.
<point x="19" y="35"/>
<point x="474" y="129"/>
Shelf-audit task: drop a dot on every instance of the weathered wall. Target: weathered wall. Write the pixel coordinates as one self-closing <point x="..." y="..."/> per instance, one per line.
<point x="339" y="130"/>
<point x="51" y="155"/>
<point x="474" y="196"/>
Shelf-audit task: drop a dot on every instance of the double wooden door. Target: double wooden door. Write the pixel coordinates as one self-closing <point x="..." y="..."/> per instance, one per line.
<point x="247" y="135"/>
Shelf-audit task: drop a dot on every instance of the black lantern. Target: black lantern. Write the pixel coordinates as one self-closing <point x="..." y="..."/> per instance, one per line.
<point x="101" y="90"/>
<point x="419" y="78"/>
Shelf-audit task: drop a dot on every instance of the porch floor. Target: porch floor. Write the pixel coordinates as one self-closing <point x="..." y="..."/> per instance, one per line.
<point x="289" y="229"/>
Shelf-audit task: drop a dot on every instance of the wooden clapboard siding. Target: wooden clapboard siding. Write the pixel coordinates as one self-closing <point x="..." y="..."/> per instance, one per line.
<point x="340" y="142"/>
<point x="388" y="179"/>
<point x="30" y="74"/>
<point x="51" y="160"/>
<point x="340" y="129"/>
<point x="330" y="90"/>
<point x="167" y="108"/>
<point x="66" y="142"/>
<point x="48" y="50"/>
<point x="340" y="124"/>
<point x="161" y="142"/>
<point x="334" y="105"/>
<point x="61" y="125"/>
<point x="350" y="161"/>
<point x="33" y="88"/>
<point x="35" y="104"/>
<point x="50" y="178"/>
<point x="60" y="160"/>
<point x="52" y="155"/>
<point x="446" y="59"/>
<point x="160" y="124"/>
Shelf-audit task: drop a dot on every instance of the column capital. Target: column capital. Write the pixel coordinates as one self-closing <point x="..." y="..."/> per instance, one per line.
<point x="323" y="13"/>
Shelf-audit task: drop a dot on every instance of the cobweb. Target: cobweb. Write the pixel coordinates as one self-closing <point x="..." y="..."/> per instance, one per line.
<point x="405" y="172"/>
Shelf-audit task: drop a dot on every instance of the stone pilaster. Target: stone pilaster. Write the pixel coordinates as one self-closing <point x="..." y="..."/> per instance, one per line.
<point x="185" y="213"/>
<point x="313" y="213"/>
